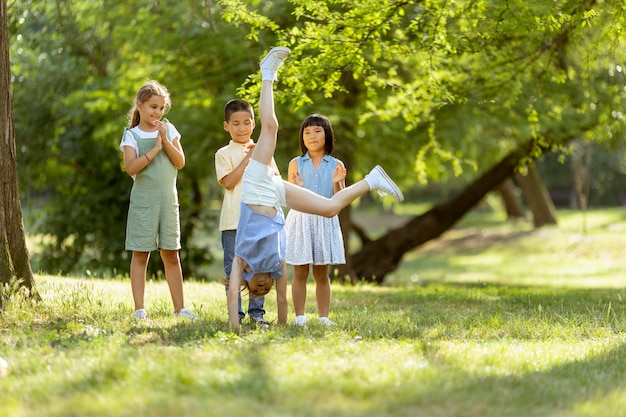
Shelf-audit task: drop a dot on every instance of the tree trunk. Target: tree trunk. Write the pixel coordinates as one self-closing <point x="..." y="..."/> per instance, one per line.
<point x="537" y="197"/>
<point x="381" y="256"/>
<point x="14" y="261"/>
<point x="512" y="204"/>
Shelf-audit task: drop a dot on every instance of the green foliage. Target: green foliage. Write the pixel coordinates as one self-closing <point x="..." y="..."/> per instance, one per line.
<point x="508" y="71"/>
<point x="608" y="171"/>
<point x="434" y="91"/>
<point x="78" y="66"/>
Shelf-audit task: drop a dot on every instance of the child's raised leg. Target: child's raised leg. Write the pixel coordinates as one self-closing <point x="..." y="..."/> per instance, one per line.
<point x="266" y="144"/>
<point x="307" y="201"/>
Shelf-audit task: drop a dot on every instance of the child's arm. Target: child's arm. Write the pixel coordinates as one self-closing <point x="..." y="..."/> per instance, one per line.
<point x="133" y="163"/>
<point x="173" y="149"/>
<point x="292" y="173"/>
<point x="234" y="287"/>
<point x="230" y="180"/>
<point x="281" y="296"/>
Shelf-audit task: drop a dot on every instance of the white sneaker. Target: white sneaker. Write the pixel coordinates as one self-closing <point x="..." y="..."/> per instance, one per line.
<point x="140" y="314"/>
<point x="185" y="313"/>
<point x="272" y="61"/>
<point x="379" y="180"/>
<point x="261" y="323"/>
<point x="326" y="321"/>
<point x="300" y="321"/>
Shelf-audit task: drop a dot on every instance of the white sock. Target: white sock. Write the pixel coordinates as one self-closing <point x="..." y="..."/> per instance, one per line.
<point x="267" y="75"/>
<point x="370" y="182"/>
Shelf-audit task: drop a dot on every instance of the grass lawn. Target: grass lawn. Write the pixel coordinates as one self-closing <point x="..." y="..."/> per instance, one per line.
<point x="484" y="248"/>
<point x="494" y="319"/>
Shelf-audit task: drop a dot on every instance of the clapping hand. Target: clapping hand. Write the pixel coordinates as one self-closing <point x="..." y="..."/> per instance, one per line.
<point x="339" y="174"/>
<point x="297" y="179"/>
<point x="162" y="136"/>
<point x="247" y="150"/>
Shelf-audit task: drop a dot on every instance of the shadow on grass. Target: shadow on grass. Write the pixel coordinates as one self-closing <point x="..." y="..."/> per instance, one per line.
<point x="440" y="258"/>
<point x="430" y="311"/>
<point x="559" y="391"/>
<point x="253" y="376"/>
<point x="480" y="311"/>
<point x="476" y="240"/>
<point x="181" y="333"/>
<point x="433" y="312"/>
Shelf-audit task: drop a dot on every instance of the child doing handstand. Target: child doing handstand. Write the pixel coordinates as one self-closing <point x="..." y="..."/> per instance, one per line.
<point x="260" y="241"/>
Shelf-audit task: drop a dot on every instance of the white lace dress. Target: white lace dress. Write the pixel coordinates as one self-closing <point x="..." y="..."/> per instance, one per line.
<point x="313" y="239"/>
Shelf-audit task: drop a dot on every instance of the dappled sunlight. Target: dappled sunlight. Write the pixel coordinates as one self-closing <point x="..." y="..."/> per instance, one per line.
<point x="511" y="254"/>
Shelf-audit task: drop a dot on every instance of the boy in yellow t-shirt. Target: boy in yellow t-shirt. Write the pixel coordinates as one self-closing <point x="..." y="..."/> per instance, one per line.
<point x="230" y="163"/>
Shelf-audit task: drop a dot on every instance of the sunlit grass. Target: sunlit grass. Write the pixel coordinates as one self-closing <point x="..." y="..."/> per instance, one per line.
<point x="442" y="349"/>
<point x="490" y="321"/>
<point x="514" y="253"/>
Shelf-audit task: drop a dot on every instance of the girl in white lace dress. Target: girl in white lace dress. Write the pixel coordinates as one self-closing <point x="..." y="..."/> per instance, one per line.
<point x="314" y="242"/>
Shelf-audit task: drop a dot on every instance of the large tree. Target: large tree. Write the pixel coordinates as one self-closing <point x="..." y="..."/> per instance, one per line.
<point x="14" y="259"/>
<point x="475" y="83"/>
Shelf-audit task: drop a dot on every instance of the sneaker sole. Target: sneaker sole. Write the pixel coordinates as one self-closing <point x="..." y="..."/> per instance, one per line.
<point x="395" y="191"/>
<point x="274" y="50"/>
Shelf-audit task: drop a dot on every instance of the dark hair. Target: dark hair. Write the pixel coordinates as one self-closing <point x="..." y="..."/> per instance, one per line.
<point x="146" y="91"/>
<point x="317" y="119"/>
<point x="245" y="286"/>
<point x="236" y="105"/>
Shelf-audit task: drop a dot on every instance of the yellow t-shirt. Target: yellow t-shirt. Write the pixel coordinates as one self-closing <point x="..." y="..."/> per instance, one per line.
<point x="227" y="159"/>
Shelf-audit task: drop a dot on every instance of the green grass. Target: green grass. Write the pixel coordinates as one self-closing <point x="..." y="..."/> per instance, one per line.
<point x="469" y="326"/>
<point x="486" y="249"/>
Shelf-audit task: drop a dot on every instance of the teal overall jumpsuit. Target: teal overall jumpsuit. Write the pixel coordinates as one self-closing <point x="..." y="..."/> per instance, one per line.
<point x="153" y="215"/>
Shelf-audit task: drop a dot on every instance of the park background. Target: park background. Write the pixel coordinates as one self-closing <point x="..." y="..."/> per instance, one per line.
<point x="501" y="121"/>
<point x="439" y="94"/>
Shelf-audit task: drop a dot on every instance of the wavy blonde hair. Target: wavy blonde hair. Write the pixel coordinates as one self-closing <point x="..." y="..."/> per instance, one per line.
<point x="146" y="91"/>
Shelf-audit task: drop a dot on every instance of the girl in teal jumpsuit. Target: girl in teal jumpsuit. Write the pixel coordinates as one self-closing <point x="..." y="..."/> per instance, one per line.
<point x="153" y="155"/>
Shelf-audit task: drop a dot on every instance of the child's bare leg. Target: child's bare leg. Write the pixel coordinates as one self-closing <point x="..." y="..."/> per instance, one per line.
<point x="174" y="277"/>
<point x="298" y="288"/>
<point x="138" y="266"/>
<point x="306" y="201"/>
<point x="264" y="149"/>
<point x="322" y="289"/>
